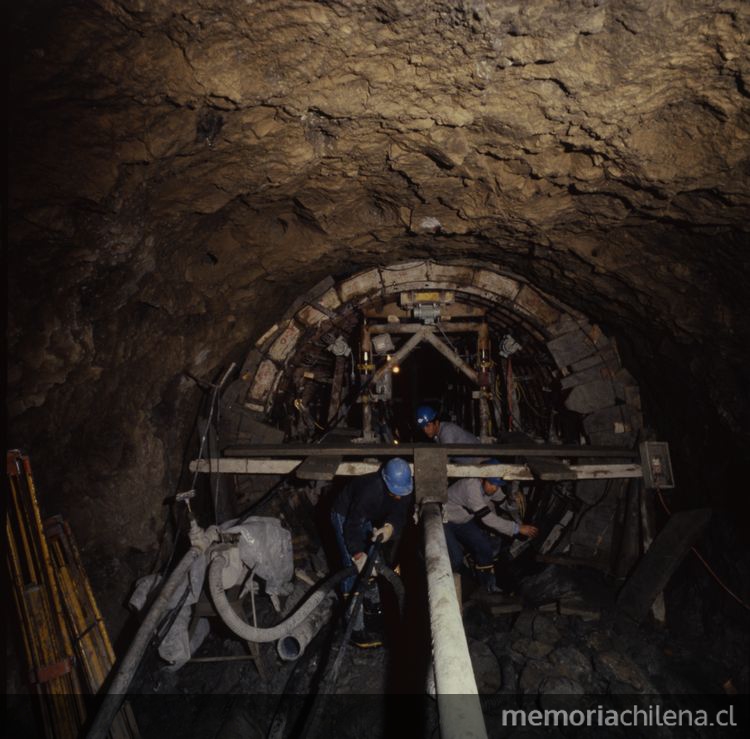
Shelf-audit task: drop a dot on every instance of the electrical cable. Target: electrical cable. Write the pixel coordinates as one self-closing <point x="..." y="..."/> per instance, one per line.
<point x="703" y="561"/>
<point x="529" y="404"/>
<point x="215" y="500"/>
<point x="310" y="729"/>
<point x="448" y="341"/>
<point x="204" y="437"/>
<point x="213" y="399"/>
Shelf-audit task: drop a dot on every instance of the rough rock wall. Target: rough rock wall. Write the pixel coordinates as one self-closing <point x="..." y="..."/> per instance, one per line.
<point x="181" y="170"/>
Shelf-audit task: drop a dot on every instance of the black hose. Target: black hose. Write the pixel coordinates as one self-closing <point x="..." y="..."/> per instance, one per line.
<point x="328" y="686"/>
<point x="395" y="582"/>
<point x="252" y="633"/>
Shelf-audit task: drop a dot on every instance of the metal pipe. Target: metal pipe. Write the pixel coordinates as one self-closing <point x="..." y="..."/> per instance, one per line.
<point x="291" y="646"/>
<point x="366" y="367"/>
<point x="501" y="451"/>
<point x="127" y="668"/>
<point x="458" y="701"/>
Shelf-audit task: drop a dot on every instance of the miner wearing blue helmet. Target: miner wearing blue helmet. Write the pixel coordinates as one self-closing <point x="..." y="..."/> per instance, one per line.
<point x="470" y="519"/>
<point x="370" y="507"/>
<point x="446" y="432"/>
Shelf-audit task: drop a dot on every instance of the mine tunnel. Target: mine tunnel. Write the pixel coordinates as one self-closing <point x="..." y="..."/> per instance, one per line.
<point x="247" y="244"/>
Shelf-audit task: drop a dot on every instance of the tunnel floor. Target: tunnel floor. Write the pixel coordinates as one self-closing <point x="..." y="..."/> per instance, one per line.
<point x="533" y="658"/>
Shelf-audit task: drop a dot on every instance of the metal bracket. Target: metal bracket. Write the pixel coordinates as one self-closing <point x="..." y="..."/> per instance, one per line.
<point x="656" y="464"/>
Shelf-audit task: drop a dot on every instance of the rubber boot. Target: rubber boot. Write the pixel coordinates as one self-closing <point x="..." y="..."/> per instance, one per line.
<point x="373" y="614"/>
<point x="486" y="577"/>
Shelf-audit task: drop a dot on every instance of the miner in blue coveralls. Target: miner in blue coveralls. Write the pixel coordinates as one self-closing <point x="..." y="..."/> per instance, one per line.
<point x="370" y="507"/>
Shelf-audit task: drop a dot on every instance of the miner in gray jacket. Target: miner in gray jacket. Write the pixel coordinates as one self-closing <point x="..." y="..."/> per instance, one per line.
<point x="471" y="517"/>
<point x="446" y="432"/>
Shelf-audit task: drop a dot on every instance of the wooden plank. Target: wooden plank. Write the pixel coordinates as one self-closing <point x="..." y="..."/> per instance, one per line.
<point x="318" y="468"/>
<point x="660" y="562"/>
<point x="252" y="466"/>
<point x="548" y="469"/>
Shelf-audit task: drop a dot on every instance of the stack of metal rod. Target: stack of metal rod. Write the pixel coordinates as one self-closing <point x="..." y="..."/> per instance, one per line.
<point x="65" y="641"/>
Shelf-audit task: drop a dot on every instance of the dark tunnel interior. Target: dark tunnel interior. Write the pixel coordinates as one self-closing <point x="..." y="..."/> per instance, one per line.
<point x="294" y="223"/>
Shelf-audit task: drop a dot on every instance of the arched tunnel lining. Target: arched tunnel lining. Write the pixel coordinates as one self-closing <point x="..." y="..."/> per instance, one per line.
<point x="563" y="343"/>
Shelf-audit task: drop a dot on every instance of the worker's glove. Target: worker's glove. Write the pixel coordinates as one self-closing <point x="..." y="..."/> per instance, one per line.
<point x="384" y="533"/>
<point x="359" y="559"/>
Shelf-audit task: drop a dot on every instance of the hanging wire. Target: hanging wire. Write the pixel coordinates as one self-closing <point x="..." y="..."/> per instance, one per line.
<point x="448" y="341"/>
<point x="529" y="404"/>
<point x="703" y="561"/>
<point x="215" y="500"/>
<point x="180" y="515"/>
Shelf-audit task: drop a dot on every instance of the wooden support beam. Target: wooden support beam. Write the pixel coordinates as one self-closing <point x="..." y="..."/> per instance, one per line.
<point x="660" y="562"/>
<point x="318" y="468"/>
<point x="398" y="356"/>
<point x="548" y="469"/>
<point x="412" y="328"/>
<point x="452" y="357"/>
<point x="256" y="466"/>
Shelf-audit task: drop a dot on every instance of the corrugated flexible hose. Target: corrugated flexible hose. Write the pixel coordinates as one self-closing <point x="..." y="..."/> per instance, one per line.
<point x="252" y="633"/>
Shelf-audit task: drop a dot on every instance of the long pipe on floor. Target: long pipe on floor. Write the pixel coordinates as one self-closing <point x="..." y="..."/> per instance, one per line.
<point x="127" y="668"/>
<point x="459" y="709"/>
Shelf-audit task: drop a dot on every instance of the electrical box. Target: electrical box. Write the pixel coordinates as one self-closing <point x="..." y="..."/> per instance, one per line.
<point x="656" y="464"/>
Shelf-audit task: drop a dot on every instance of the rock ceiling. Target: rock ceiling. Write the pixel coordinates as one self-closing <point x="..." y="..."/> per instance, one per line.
<point x="181" y="171"/>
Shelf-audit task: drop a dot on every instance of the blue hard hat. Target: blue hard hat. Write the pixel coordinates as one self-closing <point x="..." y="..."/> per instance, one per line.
<point x="494" y="480"/>
<point x="397" y="476"/>
<point x="425" y="414"/>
